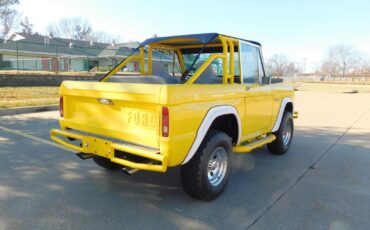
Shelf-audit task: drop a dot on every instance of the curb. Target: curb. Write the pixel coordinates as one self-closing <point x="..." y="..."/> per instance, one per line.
<point x="28" y="109"/>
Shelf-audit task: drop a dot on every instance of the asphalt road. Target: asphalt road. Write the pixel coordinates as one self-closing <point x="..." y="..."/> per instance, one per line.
<point x="323" y="182"/>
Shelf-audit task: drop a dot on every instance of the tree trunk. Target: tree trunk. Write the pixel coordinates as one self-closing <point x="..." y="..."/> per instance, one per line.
<point x="344" y="70"/>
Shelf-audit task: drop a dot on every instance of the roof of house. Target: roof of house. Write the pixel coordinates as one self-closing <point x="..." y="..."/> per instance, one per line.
<point x="130" y="44"/>
<point x="38" y="44"/>
<point x="52" y="46"/>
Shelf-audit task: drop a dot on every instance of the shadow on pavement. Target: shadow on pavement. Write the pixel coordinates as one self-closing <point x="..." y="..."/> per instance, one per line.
<point x="45" y="187"/>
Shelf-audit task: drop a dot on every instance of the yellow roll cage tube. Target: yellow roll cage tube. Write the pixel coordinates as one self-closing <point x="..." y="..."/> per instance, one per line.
<point x="106" y="148"/>
<point x="227" y="44"/>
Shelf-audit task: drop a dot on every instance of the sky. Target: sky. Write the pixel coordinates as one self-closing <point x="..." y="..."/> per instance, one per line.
<point x="301" y="29"/>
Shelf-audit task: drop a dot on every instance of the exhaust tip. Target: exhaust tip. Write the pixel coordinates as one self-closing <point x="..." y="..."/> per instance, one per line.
<point x="129" y="171"/>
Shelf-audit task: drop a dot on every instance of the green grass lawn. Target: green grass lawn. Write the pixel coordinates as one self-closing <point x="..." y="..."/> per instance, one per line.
<point x="28" y="96"/>
<point x="331" y="87"/>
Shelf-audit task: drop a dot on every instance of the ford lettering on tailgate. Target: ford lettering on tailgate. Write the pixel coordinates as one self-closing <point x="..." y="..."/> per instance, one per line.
<point x="140" y="117"/>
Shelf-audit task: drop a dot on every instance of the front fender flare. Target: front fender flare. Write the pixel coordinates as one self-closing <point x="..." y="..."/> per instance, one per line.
<point x="283" y="104"/>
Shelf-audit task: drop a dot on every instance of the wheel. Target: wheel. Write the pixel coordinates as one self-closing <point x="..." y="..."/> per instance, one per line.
<point x="205" y="176"/>
<point x="284" y="135"/>
<point x="106" y="163"/>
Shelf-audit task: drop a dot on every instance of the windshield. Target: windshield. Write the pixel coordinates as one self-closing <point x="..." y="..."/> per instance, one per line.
<point x="216" y="64"/>
<point x="189" y="59"/>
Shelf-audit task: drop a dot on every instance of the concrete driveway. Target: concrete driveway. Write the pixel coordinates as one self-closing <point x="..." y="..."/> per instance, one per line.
<point x="323" y="182"/>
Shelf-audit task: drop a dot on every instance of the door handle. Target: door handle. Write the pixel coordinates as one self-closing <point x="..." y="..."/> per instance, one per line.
<point x="247" y="88"/>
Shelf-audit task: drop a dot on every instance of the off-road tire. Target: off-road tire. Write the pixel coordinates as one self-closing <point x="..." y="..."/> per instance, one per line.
<point x="106" y="163"/>
<point x="280" y="145"/>
<point x="195" y="174"/>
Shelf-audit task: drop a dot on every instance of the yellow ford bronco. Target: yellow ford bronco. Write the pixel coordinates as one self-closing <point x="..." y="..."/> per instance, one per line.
<point x="196" y="100"/>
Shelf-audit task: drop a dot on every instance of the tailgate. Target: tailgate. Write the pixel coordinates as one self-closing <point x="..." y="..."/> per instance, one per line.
<point x="125" y="111"/>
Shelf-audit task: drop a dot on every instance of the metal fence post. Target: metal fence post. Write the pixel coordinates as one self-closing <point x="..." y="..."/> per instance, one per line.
<point x="17" y="56"/>
<point x="87" y="59"/>
<point x="115" y="57"/>
<point x="56" y="53"/>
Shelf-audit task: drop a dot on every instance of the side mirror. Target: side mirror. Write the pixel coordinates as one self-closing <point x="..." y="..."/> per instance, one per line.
<point x="266" y="80"/>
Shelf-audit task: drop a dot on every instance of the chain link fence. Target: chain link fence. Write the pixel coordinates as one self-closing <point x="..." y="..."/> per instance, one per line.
<point x="60" y="56"/>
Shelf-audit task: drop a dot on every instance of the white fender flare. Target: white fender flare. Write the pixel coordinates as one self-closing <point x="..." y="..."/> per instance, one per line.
<point x="211" y="115"/>
<point x="285" y="101"/>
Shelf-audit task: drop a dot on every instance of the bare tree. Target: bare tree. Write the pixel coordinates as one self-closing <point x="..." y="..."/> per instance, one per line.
<point x="81" y="29"/>
<point x="291" y="69"/>
<point x="7" y="16"/>
<point x="340" y="59"/>
<point x="277" y="64"/>
<point x="27" y="27"/>
<point x="7" y="3"/>
<point x="116" y="39"/>
<point x="101" y="36"/>
<point x="329" y="67"/>
<point x="363" y="66"/>
<point x="53" y="30"/>
<point x="7" y="23"/>
<point x="71" y="28"/>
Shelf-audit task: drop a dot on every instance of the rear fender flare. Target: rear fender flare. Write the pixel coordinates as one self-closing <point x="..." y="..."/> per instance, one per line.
<point x="211" y="115"/>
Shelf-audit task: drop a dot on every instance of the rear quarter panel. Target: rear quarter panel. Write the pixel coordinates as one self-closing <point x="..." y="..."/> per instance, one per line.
<point x="188" y="105"/>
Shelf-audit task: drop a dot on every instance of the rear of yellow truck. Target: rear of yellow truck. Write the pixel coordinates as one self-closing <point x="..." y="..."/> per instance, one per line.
<point x="117" y="121"/>
<point x="140" y="126"/>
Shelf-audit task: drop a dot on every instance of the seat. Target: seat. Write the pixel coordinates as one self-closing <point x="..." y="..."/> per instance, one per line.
<point x="208" y="76"/>
<point x="160" y="76"/>
<point x="158" y="69"/>
<point x="137" y="79"/>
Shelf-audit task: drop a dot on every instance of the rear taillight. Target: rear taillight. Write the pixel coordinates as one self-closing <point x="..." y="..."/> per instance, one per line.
<point x="61" y="108"/>
<point x="165" y="122"/>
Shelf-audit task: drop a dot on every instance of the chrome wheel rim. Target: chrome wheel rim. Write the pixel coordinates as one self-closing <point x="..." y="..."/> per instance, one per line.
<point x="217" y="166"/>
<point x="287" y="132"/>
